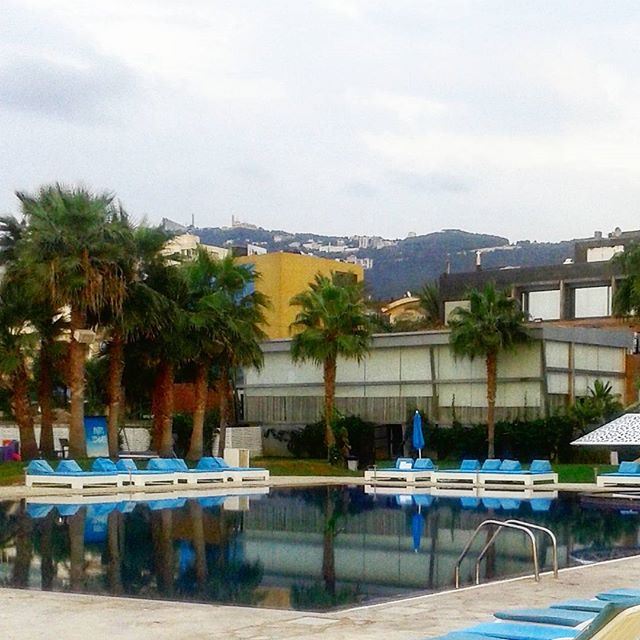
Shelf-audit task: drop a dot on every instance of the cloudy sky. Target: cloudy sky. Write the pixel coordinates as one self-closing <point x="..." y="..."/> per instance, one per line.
<point x="520" y="118"/>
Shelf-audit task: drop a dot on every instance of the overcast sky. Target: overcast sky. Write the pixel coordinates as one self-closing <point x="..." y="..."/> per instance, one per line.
<point x="520" y="118"/>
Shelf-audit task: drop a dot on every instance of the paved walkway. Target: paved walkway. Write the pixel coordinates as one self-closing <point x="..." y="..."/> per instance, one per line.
<point x="34" y="615"/>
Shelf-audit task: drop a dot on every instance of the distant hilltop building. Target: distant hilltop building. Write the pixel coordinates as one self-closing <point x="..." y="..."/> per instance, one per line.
<point x="238" y="224"/>
<point x="365" y="263"/>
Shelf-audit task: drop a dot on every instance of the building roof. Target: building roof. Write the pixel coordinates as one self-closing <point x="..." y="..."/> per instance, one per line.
<point x="623" y="431"/>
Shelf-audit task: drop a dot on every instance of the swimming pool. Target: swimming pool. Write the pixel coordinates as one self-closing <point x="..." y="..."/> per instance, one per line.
<point x="316" y="548"/>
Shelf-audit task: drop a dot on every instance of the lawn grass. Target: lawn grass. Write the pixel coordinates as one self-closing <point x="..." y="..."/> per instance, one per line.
<point x="306" y="467"/>
<point x="11" y="473"/>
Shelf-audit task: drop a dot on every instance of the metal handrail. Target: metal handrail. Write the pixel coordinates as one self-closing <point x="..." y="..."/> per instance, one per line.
<point x="528" y="525"/>
<point x="502" y="524"/>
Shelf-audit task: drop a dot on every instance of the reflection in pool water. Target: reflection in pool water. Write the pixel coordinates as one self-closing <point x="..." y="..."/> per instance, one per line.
<point x="315" y="548"/>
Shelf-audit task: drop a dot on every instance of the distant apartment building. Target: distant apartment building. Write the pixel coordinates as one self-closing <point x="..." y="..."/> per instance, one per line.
<point x="581" y="289"/>
<point x="186" y="246"/>
<point x="365" y="263"/>
<point x="283" y="275"/>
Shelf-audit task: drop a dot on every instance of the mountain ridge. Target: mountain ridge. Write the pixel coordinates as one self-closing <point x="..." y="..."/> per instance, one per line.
<point x="400" y="265"/>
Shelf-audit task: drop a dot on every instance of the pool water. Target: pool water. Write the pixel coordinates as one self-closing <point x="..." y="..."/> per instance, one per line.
<point x="316" y="548"/>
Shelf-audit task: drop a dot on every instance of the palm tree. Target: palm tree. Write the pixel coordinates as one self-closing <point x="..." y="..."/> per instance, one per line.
<point x="142" y="314"/>
<point x="74" y="243"/>
<point x="333" y="321"/>
<point x="225" y="317"/>
<point x="493" y="323"/>
<point x="429" y="297"/>
<point x="17" y="346"/>
<point x="43" y="315"/>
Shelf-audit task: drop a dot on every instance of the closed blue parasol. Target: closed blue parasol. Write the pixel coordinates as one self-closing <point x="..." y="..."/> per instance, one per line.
<point x="417" y="525"/>
<point x="417" y="438"/>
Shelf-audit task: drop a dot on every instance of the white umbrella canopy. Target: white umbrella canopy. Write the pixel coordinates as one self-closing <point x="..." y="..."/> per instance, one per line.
<point x="621" y="432"/>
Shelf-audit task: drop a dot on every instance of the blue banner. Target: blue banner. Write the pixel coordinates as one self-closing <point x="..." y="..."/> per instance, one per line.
<point x="95" y="429"/>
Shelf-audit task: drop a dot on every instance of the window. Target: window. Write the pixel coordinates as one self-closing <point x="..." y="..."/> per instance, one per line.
<point x="592" y="302"/>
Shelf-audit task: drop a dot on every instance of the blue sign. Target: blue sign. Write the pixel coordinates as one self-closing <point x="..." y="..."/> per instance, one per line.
<point x="95" y="429"/>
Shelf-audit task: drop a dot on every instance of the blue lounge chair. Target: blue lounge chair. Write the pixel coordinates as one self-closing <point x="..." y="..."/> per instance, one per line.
<point x="511" y="472"/>
<point x="204" y="473"/>
<point x="466" y="474"/>
<point x="550" y="615"/>
<point x="628" y="474"/>
<point x="68" y="474"/>
<point x="37" y="511"/>
<point x="513" y="631"/>
<point x="151" y="476"/>
<point x="405" y="470"/>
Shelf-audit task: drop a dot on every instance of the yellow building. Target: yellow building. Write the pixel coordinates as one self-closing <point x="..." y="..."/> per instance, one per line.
<point x="283" y="275"/>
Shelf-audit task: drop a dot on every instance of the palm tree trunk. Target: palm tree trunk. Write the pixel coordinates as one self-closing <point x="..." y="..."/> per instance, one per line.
<point x="114" y="568"/>
<point x="77" y="440"/>
<point x="47" y="566"/>
<point x="163" y="409"/>
<point x="199" y="546"/>
<point x="329" y="402"/>
<point x="45" y="399"/>
<point x="22" y="412"/>
<point x="196" y="443"/>
<point x="24" y="550"/>
<point x="492" y="382"/>
<point x="116" y="367"/>
<point x="223" y="389"/>
<point x="328" y="545"/>
<point x="162" y="533"/>
<point x="76" y="551"/>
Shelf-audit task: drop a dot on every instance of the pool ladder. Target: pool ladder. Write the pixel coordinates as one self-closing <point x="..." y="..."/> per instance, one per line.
<point x="527" y="528"/>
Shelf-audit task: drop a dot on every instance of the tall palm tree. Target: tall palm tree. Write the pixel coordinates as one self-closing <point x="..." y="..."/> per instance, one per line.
<point x="160" y="352"/>
<point x="75" y="240"/>
<point x="17" y="347"/>
<point x="43" y="315"/>
<point x="333" y="322"/>
<point x="142" y="314"/>
<point x="493" y="323"/>
<point x="225" y="317"/>
<point x="430" y="301"/>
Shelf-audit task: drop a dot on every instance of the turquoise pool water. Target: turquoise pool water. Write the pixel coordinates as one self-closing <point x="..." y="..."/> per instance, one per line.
<point x="312" y="549"/>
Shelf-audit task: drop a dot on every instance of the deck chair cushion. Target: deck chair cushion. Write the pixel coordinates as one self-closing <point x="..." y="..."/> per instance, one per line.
<point x="161" y="464"/>
<point x="68" y="466"/>
<point x="126" y="464"/>
<point x="39" y="467"/>
<point x="103" y="465"/>
<point x="469" y="465"/>
<point x="207" y="464"/>
<point x="491" y="465"/>
<point x="510" y="465"/>
<point x="540" y="466"/>
<point x="424" y="464"/>
<point x="629" y="468"/>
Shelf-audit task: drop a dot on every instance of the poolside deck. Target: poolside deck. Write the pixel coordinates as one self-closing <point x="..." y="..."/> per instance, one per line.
<point x="32" y="615"/>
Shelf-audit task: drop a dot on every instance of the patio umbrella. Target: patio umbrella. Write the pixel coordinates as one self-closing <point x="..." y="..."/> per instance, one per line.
<point x="417" y="525"/>
<point x="417" y="438"/>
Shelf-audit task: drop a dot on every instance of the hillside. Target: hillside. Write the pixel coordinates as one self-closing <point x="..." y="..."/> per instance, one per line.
<point x="400" y="265"/>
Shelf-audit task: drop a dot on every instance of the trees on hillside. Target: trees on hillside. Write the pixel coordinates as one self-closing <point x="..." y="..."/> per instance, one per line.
<point x="332" y="322"/>
<point x="492" y="324"/>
